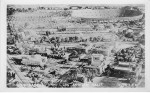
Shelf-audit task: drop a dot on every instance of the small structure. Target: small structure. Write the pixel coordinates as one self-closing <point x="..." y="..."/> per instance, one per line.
<point x="97" y="59"/>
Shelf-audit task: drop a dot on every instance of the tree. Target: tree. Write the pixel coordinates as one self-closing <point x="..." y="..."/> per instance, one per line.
<point x="10" y="10"/>
<point x="128" y="11"/>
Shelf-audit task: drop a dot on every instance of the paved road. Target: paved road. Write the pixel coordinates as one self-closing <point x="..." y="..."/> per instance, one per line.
<point x="26" y="82"/>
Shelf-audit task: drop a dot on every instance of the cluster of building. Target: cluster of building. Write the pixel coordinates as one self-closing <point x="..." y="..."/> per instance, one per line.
<point x="69" y="46"/>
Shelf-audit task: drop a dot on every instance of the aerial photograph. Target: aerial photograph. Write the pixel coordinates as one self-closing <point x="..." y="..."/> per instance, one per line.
<point x="75" y="46"/>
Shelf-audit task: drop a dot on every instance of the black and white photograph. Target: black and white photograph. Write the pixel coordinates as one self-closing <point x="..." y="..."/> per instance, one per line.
<point x="75" y="46"/>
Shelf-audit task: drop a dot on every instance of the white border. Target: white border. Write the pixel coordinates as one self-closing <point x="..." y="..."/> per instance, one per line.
<point x="3" y="44"/>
